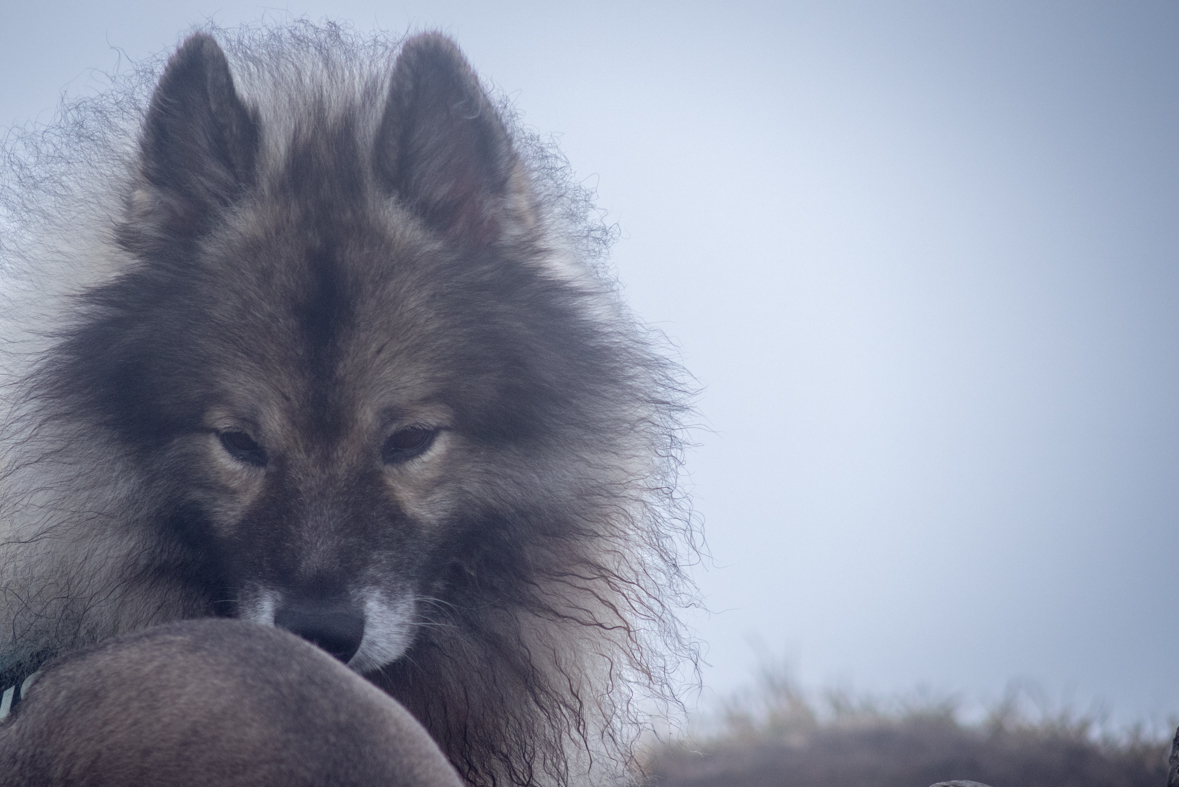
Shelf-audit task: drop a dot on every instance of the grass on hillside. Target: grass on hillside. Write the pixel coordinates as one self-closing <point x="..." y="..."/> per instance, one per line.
<point x="777" y="736"/>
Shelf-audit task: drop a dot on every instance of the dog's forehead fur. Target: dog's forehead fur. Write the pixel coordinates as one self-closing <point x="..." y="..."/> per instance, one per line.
<point x="356" y="293"/>
<point x="377" y="314"/>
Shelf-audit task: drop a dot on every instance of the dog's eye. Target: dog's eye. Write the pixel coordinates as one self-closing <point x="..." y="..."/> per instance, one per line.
<point x="243" y="448"/>
<point x="405" y="444"/>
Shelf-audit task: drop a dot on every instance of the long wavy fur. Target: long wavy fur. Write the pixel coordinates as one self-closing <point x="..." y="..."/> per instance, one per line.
<point x="540" y="668"/>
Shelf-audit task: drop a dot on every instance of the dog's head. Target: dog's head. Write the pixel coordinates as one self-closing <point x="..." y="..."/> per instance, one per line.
<point x="364" y="386"/>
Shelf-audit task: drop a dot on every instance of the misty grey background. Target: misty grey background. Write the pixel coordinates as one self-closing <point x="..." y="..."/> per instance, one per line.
<point x="923" y="257"/>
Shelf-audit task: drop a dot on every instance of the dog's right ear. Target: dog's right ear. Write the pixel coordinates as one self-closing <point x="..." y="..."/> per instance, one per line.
<point x="198" y="148"/>
<point x="443" y="151"/>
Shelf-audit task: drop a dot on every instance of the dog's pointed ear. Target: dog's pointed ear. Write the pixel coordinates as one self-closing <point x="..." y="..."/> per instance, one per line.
<point x="198" y="147"/>
<point x="442" y="149"/>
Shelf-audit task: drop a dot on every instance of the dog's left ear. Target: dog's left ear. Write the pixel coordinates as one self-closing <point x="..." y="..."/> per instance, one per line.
<point x="442" y="149"/>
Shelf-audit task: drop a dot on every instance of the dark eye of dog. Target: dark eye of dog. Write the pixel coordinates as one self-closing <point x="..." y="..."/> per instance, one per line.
<point x="405" y="444"/>
<point x="243" y="448"/>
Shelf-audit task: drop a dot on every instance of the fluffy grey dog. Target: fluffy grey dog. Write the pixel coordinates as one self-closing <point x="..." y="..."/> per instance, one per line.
<point x="312" y="337"/>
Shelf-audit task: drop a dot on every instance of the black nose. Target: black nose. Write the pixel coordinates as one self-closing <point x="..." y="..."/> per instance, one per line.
<point x="336" y="628"/>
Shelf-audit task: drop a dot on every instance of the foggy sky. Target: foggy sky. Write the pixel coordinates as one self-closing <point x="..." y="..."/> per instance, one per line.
<point x="923" y="260"/>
